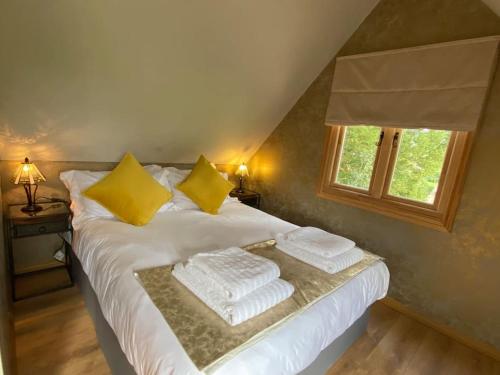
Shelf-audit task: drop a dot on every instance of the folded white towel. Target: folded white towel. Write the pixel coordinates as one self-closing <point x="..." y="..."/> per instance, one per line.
<point x="330" y="265"/>
<point x="316" y="241"/>
<point x="235" y="271"/>
<point x="237" y="312"/>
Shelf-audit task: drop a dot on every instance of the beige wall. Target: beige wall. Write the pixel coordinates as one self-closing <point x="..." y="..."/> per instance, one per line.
<point x="494" y="5"/>
<point x="451" y="277"/>
<point x="166" y="80"/>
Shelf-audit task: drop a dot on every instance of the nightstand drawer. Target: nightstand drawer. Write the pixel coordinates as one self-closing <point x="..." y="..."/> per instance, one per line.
<point x="40" y="228"/>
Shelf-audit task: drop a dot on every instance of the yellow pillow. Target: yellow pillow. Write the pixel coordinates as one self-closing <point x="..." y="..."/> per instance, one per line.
<point x="129" y="192"/>
<point x="205" y="186"/>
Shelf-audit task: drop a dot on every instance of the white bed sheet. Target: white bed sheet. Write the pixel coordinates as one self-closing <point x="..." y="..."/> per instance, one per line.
<point x="110" y="251"/>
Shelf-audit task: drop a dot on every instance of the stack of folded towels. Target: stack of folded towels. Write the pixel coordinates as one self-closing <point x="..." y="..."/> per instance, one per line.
<point x="320" y="249"/>
<point x="234" y="283"/>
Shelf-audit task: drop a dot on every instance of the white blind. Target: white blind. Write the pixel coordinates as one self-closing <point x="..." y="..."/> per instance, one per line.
<point x="438" y="86"/>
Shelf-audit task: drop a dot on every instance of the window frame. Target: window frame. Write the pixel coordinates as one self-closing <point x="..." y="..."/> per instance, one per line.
<point x="438" y="215"/>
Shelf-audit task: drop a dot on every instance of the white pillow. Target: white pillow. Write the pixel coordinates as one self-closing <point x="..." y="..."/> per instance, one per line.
<point x="181" y="200"/>
<point x="84" y="208"/>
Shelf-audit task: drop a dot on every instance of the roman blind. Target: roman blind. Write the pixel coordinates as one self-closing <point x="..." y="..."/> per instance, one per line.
<point x="438" y="86"/>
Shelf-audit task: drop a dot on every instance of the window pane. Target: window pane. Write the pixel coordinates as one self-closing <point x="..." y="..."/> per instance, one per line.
<point x="358" y="156"/>
<point x="419" y="163"/>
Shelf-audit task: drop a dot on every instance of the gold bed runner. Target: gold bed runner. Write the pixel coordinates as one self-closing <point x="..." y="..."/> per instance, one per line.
<point x="208" y="339"/>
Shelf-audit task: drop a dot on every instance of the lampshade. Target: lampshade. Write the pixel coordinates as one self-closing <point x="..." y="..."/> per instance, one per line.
<point x="242" y="170"/>
<point x="28" y="173"/>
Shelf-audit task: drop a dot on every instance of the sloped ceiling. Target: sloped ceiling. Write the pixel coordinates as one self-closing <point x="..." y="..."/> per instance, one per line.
<point x="165" y="79"/>
<point x="494" y="5"/>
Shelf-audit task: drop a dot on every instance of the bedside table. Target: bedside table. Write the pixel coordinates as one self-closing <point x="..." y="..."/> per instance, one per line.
<point x="248" y="197"/>
<point x="54" y="218"/>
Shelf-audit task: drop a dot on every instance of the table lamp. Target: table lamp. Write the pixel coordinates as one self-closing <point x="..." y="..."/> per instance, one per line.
<point x="29" y="175"/>
<point x="242" y="172"/>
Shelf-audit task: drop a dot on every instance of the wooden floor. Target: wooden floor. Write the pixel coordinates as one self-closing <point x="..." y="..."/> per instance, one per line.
<point x="55" y="336"/>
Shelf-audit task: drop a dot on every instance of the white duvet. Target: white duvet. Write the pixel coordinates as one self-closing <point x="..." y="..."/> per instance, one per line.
<point x="110" y="251"/>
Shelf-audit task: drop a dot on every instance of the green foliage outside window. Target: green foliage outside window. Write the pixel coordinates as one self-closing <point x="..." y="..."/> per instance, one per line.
<point x="418" y="166"/>
<point x="358" y="156"/>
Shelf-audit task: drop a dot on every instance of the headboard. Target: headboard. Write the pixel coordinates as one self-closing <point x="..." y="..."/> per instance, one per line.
<point x="54" y="188"/>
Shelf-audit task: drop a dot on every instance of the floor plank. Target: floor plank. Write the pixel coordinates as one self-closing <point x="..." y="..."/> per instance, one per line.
<point x="55" y="335"/>
<point x="397" y="344"/>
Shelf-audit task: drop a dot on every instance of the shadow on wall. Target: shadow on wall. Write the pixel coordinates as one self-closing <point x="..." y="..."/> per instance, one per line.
<point x="42" y="144"/>
<point x="36" y="145"/>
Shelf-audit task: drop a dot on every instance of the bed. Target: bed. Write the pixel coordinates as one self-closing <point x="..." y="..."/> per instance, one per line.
<point x="135" y="337"/>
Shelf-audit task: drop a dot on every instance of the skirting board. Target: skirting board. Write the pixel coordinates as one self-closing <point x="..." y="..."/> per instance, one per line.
<point x="477" y="345"/>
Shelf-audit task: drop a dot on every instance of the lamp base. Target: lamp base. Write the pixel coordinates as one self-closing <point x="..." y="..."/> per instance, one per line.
<point x="32" y="208"/>
<point x="240" y="188"/>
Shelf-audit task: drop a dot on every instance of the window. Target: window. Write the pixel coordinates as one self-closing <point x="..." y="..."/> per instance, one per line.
<point x="419" y="163"/>
<point x="357" y="156"/>
<point x="412" y="174"/>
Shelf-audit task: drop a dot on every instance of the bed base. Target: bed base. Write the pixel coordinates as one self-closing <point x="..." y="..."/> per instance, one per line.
<point x="119" y="364"/>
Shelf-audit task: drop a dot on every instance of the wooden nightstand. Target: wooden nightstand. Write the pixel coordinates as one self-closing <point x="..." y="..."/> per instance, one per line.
<point x="248" y="197"/>
<point x="54" y="218"/>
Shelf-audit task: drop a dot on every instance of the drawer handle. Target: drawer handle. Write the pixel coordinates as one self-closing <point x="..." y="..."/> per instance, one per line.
<point x="42" y="230"/>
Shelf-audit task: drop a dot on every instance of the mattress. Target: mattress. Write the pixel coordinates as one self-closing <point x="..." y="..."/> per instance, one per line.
<point x="110" y="252"/>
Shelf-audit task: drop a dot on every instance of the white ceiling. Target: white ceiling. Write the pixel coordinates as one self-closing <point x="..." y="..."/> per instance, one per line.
<point x="164" y="79"/>
<point x="494" y="5"/>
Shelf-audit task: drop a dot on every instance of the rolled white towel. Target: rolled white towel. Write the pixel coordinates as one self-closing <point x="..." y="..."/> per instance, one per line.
<point x="330" y="265"/>
<point x="234" y="271"/>
<point x="234" y="312"/>
<point x="316" y="241"/>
